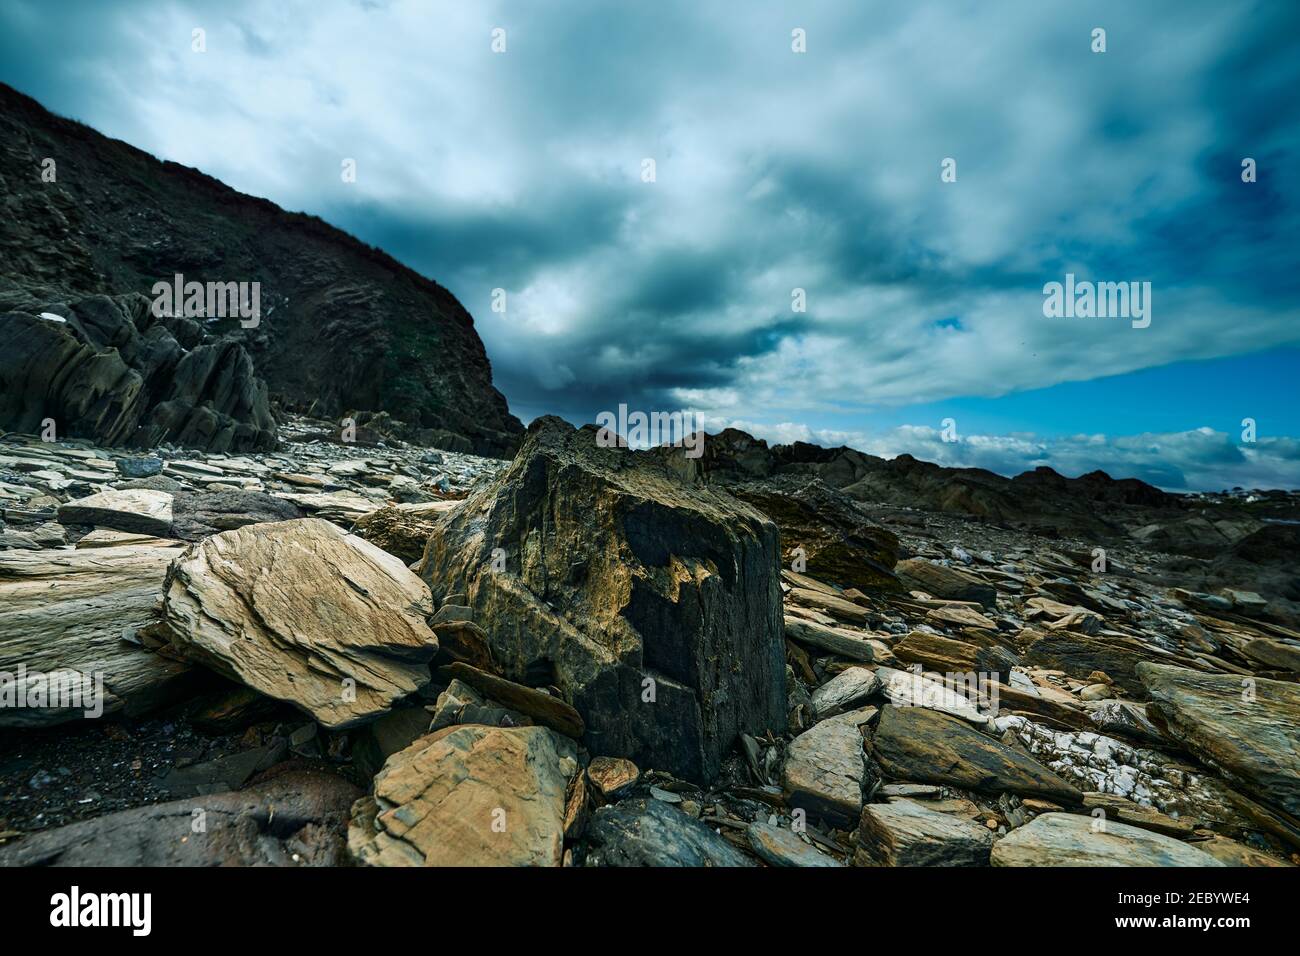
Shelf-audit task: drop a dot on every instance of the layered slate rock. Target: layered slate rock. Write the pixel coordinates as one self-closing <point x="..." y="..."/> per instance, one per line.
<point x="1067" y="839"/>
<point x="1249" y="729"/>
<point x="945" y="582"/>
<point x="135" y="510"/>
<point x="468" y="796"/>
<point x="652" y="605"/>
<point x="75" y="614"/>
<point x="920" y="745"/>
<point x="107" y="368"/>
<point x="908" y="833"/>
<point x="825" y="768"/>
<point x="826" y="530"/>
<point x="648" y="832"/>
<point x="778" y="847"/>
<point x="302" y="612"/>
<point x="293" y="818"/>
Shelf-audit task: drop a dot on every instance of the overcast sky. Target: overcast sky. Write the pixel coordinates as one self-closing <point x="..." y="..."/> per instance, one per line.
<point x="777" y="170"/>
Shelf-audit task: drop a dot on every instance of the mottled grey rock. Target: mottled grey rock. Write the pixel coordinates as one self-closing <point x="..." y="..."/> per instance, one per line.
<point x="648" y="832"/>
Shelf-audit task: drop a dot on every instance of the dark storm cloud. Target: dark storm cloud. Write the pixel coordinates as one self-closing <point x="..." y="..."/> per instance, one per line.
<point x="774" y="171"/>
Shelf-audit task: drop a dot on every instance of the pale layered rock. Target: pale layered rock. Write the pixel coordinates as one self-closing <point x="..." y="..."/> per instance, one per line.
<point x="848" y="644"/>
<point x="74" y="615"/>
<point x="906" y="832"/>
<point x="305" y="613"/>
<point x="779" y="847"/>
<point x="848" y="688"/>
<point x="1065" y="839"/>
<point x="469" y="796"/>
<point x="825" y="768"/>
<point x="123" y="509"/>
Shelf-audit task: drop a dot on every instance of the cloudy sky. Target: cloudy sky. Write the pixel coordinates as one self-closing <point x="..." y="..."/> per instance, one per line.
<point x="777" y="170"/>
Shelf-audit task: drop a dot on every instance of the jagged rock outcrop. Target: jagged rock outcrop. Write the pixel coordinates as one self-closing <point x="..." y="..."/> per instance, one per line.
<point x="106" y="368"/>
<point x="343" y="327"/>
<point x="1249" y="728"/>
<point x="653" y="605"/>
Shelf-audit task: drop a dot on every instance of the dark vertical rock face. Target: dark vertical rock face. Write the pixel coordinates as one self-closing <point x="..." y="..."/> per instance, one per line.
<point x="343" y="327"/>
<point x="615" y="580"/>
<point x="114" y="372"/>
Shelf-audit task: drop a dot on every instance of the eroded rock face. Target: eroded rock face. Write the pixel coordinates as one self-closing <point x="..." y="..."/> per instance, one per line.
<point x="652" y="604"/>
<point x="908" y="833"/>
<point x="1248" y="728"/>
<point x="826" y="530"/>
<point x="302" y="612"/>
<point x="468" y="796"/>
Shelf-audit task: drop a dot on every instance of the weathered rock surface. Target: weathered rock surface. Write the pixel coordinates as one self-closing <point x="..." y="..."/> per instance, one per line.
<point x="468" y="796"/>
<point x="825" y="768"/>
<point x="849" y="688"/>
<point x="1249" y="729"/>
<point x="302" y="612"/>
<point x="924" y="746"/>
<point x="74" y="614"/>
<point x="293" y="818"/>
<point x="652" y="604"/>
<point x="908" y="833"/>
<point x="778" y="847"/>
<point x="1067" y="839"/>
<point x="825" y="530"/>
<point x="131" y="510"/>
<point x="647" y="832"/>
<point x="944" y="582"/>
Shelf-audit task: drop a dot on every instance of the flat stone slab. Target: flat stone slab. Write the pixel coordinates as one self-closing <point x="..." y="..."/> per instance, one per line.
<point x="825" y="767"/>
<point x="849" y="688"/>
<point x="778" y="847"/>
<point x="908" y="833"/>
<point x="915" y="744"/>
<point x="74" y="615"/>
<point x="1068" y="839"/>
<point x="137" y="510"/>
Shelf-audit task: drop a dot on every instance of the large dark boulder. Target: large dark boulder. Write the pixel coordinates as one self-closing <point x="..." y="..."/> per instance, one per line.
<point x="651" y="603"/>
